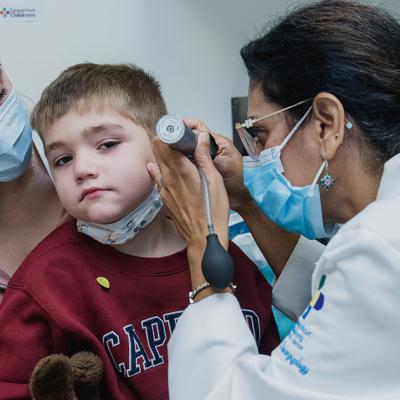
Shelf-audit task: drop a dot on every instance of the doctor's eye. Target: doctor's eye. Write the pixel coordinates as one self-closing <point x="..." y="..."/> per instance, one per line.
<point x="61" y="161"/>
<point x="259" y="134"/>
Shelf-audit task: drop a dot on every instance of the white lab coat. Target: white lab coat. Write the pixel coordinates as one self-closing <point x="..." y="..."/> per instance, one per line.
<point x="292" y="291"/>
<point x="343" y="347"/>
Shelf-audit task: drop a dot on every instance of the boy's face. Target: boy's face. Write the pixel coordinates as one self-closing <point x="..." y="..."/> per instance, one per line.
<point x="98" y="162"/>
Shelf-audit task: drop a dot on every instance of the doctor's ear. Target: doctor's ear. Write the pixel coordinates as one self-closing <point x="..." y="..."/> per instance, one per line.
<point x="328" y="118"/>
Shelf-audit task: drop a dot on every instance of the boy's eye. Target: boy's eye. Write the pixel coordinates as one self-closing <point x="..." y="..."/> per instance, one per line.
<point x="59" y="162"/>
<point x="108" y="145"/>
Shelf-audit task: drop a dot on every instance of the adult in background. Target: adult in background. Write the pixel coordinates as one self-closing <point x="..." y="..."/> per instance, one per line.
<point x="29" y="206"/>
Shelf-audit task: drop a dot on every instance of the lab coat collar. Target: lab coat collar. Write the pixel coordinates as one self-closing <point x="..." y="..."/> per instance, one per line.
<point x="390" y="182"/>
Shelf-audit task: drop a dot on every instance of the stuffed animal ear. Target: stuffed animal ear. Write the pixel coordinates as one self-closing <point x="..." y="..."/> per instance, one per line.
<point x="88" y="372"/>
<point x="53" y="379"/>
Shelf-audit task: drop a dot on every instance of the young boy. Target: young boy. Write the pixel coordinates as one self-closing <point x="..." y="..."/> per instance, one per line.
<point x="119" y="287"/>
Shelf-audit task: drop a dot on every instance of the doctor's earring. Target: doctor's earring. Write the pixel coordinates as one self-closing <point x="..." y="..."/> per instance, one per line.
<point x="327" y="180"/>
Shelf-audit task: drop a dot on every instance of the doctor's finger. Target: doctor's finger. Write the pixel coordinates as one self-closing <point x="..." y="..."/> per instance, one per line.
<point x="155" y="173"/>
<point x="222" y="141"/>
<point x="165" y="156"/>
<point x="172" y="163"/>
<point x="202" y="153"/>
<point x="196" y="124"/>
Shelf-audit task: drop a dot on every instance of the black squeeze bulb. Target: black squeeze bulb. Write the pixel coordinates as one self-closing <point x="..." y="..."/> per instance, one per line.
<point x="217" y="264"/>
<point x="173" y="131"/>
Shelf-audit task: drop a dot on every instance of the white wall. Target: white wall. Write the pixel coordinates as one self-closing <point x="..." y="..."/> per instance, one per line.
<point x="192" y="46"/>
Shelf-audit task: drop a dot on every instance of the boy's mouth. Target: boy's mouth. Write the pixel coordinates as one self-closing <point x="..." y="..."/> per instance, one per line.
<point x="92" y="193"/>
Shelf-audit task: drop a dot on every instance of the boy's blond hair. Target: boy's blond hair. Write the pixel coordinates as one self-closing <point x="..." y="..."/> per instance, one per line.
<point x="125" y="88"/>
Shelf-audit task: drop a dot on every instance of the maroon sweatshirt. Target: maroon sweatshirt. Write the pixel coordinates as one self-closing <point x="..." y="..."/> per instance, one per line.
<point x="54" y="304"/>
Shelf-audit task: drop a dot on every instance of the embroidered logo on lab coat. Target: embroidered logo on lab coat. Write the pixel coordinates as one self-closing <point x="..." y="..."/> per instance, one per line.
<point x="292" y="347"/>
<point x="317" y="301"/>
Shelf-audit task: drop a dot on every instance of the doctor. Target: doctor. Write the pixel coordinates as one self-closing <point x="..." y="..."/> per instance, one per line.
<point x="323" y="136"/>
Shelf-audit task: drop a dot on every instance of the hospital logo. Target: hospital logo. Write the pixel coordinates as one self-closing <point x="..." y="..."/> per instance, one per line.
<point x="317" y="301"/>
<point x="20" y="13"/>
<point x="5" y="12"/>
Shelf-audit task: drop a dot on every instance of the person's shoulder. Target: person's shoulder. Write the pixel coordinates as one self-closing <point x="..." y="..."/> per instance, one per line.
<point x="366" y="245"/>
<point x="57" y="249"/>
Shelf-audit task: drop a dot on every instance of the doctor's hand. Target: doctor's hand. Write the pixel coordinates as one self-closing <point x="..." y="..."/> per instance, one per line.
<point x="229" y="163"/>
<point x="180" y="188"/>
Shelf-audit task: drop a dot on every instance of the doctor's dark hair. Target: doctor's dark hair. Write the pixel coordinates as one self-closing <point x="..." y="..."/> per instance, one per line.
<point x="125" y="88"/>
<point x="343" y="47"/>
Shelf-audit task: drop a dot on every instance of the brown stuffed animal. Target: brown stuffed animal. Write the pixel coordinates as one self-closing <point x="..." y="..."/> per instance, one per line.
<point x="58" y="377"/>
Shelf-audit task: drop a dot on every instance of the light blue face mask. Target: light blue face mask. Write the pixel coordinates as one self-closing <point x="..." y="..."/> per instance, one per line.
<point x="294" y="208"/>
<point x="15" y="139"/>
<point x="129" y="226"/>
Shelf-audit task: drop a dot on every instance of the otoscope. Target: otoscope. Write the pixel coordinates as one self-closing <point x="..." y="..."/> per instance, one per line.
<point x="217" y="264"/>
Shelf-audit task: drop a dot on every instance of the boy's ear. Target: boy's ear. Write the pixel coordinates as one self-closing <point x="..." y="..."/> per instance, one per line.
<point x="328" y="118"/>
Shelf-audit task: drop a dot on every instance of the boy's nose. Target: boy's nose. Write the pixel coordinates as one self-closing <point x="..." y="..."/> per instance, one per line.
<point x="84" y="169"/>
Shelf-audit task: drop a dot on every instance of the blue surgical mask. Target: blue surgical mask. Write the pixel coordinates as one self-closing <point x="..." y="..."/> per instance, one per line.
<point x="15" y="139"/>
<point x="294" y="208"/>
<point x="129" y="226"/>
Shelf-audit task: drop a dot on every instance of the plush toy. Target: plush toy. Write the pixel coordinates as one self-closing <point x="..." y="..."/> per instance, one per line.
<point x="58" y="377"/>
